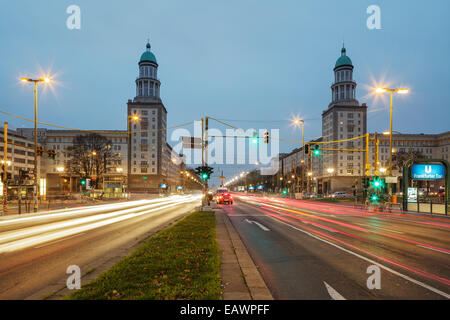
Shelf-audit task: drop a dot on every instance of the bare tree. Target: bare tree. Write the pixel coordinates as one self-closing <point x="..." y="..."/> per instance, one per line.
<point x="399" y="158"/>
<point x="89" y="156"/>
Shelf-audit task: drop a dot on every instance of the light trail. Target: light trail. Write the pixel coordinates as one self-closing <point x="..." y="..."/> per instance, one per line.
<point x="332" y="241"/>
<point x="43" y="234"/>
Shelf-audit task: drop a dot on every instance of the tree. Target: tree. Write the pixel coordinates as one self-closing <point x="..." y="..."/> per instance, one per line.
<point x="400" y="157"/>
<point x="89" y="156"/>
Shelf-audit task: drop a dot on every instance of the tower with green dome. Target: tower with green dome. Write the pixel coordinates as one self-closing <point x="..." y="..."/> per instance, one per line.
<point x="148" y="151"/>
<point x="343" y="120"/>
<point x="147" y="84"/>
<point x="343" y="87"/>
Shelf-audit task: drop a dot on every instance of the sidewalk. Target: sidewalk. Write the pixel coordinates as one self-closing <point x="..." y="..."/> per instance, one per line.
<point x="241" y="279"/>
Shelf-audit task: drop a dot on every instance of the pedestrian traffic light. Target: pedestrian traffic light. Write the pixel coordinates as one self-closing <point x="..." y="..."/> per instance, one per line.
<point x="266" y="137"/>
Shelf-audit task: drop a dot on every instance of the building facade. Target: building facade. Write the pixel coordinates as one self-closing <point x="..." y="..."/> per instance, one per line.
<point x="149" y="153"/>
<point x="344" y="119"/>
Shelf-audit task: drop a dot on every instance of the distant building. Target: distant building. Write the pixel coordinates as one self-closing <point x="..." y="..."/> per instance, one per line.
<point x="144" y="159"/>
<point x="20" y="157"/>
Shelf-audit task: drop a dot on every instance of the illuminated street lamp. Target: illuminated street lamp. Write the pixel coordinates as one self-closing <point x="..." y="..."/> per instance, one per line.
<point x="330" y="170"/>
<point x="399" y="91"/>
<point x="119" y="170"/>
<point x="60" y="169"/>
<point x="35" y="81"/>
<point x="297" y="122"/>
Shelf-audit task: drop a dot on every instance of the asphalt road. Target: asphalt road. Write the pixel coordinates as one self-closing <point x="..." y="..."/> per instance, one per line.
<point x="36" y="249"/>
<point x="310" y="250"/>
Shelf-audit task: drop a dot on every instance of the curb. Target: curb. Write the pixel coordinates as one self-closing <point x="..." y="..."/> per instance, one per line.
<point x="241" y="279"/>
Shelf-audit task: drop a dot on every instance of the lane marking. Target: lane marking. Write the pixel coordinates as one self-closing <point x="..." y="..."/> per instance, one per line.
<point x="382" y="228"/>
<point x="258" y="224"/>
<point x="433" y="249"/>
<point x="53" y="242"/>
<point x="333" y="293"/>
<point x="419" y="283"/>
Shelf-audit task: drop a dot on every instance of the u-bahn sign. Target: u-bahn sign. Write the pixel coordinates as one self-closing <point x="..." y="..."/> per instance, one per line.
<point x="427" y="171"/>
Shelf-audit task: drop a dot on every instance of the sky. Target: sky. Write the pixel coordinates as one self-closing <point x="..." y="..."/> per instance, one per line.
<point x="253" y="63"/>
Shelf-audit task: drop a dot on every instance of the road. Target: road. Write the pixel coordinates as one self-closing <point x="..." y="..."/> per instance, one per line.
<point x="312" y="250"/>
<point x="36" y="249"/>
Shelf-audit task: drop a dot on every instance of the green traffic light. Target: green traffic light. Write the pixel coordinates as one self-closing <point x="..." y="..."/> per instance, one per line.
<point x="83" y="182"/>
<point x="284" y="191"/>
<point x="316" y="152"/>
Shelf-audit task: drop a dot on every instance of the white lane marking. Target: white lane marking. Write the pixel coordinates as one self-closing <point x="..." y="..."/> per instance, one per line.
<point x="419" y="283"/>
<point x="333" y="293"/>
<point x="50" y="243"/>
<point x="258" y="224"/>
<point x="382" y="228"/>
<point x="432" y="249"/>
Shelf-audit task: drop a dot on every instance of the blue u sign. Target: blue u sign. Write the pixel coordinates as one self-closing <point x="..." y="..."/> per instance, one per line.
<point x="427" y="171"/>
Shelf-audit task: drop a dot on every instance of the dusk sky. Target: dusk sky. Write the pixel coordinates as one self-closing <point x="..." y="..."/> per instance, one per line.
<point x="254" y="63"/>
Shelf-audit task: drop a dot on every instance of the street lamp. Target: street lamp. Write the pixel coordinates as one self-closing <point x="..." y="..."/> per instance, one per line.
<point x="296" y="123"/>
<point x="330" y="170"/>
<point x="399" y="91"/>
<point x="60" y="169"/>
<point x="45" y="80"/>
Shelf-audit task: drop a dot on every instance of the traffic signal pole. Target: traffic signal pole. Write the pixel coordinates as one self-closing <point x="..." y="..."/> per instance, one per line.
<point x="5" y="168"/>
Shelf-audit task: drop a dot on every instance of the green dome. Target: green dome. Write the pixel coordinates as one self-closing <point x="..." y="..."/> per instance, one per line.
<point x="148" y="55"/>
<point x="343" y="60"/>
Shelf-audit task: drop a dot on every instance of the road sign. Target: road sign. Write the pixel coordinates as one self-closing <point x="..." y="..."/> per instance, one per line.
<point x="427" y="171"/>
<point x="192" y="143"/>
<point x="222" y="178"/>
<point x="391" y="179"/>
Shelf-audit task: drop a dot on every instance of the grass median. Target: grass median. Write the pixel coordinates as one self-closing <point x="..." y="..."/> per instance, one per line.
<point x="181" y="262"/>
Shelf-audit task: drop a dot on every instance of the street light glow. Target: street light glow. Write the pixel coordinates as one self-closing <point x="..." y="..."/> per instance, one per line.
<point x="381" y="90"/>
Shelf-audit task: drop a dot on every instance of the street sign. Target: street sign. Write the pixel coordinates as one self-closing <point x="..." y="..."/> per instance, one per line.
<point x="192" y="143"/>
<point x="391" y="179"/>
<point x="222" y="178"/>
<point x="412" y="195"/>
<point x="427" y="171"/>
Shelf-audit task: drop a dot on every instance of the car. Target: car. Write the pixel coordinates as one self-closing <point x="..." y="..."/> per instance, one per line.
<point x="339" y="194"/>
<point x="223" y="197"/>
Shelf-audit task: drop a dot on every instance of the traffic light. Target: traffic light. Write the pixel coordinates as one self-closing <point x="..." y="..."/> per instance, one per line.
<point x="83" y="182"/>
<point x="266" y="137"/>
<point x="204" y="172"/>
<point x="255" y="138"/>
<point x="316" y="151"/>
<point x="284" y="191"/>
<point x="51" y="154"/>
<point x="377" y="189"/>
<point x="306" y="148"/>
<point x="40" y="151"/>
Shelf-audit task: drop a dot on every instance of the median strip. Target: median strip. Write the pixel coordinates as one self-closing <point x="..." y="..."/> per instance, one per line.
<point x="181" y="262"/>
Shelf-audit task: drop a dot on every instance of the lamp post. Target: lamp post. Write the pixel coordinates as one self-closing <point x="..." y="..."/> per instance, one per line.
<point x="400" y="91"/>
<point x="46" y="80"/>
<point x="135" y="118"/>
<point x="296" y="123"/>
